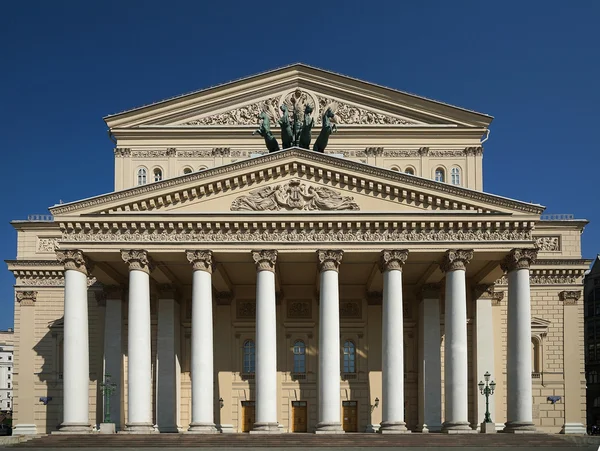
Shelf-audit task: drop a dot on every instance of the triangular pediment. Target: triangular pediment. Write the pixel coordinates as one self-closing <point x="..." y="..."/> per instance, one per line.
<point x="355" y="102"/>
<point x="296" y="180"/>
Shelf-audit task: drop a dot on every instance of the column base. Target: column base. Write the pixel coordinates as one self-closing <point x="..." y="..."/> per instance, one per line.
<point x="573" y="428"/>
<point x="225" y="428"/>
<point x="457" y="427"/>
<point x="202" y="428"/>
<point x="372" y="428"/>
<point x="519" y="427"/>
<point x="329" y="428"/>
<point x="139" y="428"/>
<point x="266" y="428"/>
<point x="25" y="429"/>
<point x="393" y="427"/>
<point x="74" y="428"/>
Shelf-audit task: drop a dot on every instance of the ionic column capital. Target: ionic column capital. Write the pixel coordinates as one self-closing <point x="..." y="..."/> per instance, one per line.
<point x="201" y="260"/>
<point x="330" y="260"/>
<point x="26" y="298"/>
<point x="518" y="259"/>
<point x="137" y="259"/>
<point x="390" y="260"/>
<point x="265" y="260"/>
<point x="456" y="260"/>
<point x="75" y="260"/>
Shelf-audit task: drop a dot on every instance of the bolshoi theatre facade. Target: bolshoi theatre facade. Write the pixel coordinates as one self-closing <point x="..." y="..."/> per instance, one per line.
<point x="298" y="251"/>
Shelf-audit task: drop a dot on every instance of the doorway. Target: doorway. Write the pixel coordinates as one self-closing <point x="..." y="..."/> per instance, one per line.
<point x="299" y="416"/>
<point x="248" y="415"/>
<point x="350" y="416"/>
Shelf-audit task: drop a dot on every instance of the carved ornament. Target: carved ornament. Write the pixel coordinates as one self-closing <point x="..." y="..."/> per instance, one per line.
<point x="456" y="260"/>
<point x="121" y="152"/>
<point x="548" y="243"/>
<point x="354" y="115"/>
<point x="518" y="259"/>
<point x="299" y="309"/>
<point x="246" y="309"/>
<point x="390" y="260"/>
<point x="294" y="195"/>
<point x="137" y="259"/>
<point x="201" y="260"/>
<point x="374" y="151"/>
<point x="74" y="260"/>
<point x="351" y="309"/>
<point x="26" y="298"/>
<point x="473" y="151"/>
<point x="221" y="151"/>
<point x="195" y="153"/>
<point x="569" y="297"/>
<point x="265" y="260"/>
<point x="329" y="260"/>
<point x="47" y="245"/>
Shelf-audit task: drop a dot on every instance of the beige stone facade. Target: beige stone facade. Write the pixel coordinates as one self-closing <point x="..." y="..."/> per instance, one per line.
<point x="190" y="176"/>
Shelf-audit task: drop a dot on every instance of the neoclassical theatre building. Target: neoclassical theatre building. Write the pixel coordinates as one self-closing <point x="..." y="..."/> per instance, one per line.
<point x="298" y="251"/>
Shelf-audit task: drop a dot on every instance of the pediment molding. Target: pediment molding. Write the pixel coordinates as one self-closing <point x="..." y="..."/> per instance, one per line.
<point x="338" y="173"/>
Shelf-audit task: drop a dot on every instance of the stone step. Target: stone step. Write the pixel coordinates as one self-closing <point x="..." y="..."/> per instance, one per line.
<point x="293" y="440"/>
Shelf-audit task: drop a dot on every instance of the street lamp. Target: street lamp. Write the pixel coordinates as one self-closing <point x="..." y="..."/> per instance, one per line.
<point x="108" y="388"/>
<point x="487" y="389"/>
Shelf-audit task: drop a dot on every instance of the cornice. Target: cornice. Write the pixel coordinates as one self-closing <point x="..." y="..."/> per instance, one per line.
<point x="310" y="164"/>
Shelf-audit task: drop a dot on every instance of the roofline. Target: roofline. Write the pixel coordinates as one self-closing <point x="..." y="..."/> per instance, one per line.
<point x="426" y="183"/>
<point x="281" y="69"/>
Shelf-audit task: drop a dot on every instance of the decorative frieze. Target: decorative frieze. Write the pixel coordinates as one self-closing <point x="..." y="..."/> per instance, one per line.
<point x="569" y="297"/>
<point x="221" y="151"/>
<point x="354" y="115"/>
<point x="137" y="259"/>
<point x="473" y="151"/>
<point x="150" y="153"/>
<point x="265" y="260"/>
<point x="201" y="260"/>
<point x="26" y="298"/>
<point x="74" y="259"/>
<point x="518" y="259"/>
<point x="195" y="153"/>
<point x="401" y="153"/>
<point x="550" y="277"/>
<point x="351" y="309"/>
<point x="548" y="243"/>
<point x="295" y="233"/>
<point x="299" y="309"/>
<point x="390" y="260"/>
<point x="246" y="309"/>
<point x="294" y="195"/>
<point x="121" y="152"/>
<point x="446" y="153"/>
<point x="456" y="260"/>
<point x="329" y="260"/>
<point x="374" y="151"/>
<point x="47" y="245"/>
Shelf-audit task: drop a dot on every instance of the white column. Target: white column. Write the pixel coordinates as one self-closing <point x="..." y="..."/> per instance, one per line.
<point x="202" y="344"/>
<point x="392" y="402"/>
<point x="456" y="412"/>
<point x="484" y="347"/>
<point x="430" y="367"/>
<point x="266" y="343"/>
<point x="329" y="343"/>
<point x="167" y="401"/>
<point x="113" y="354"/>
<point x="519" y="407"/>
<point x="139" y="365"/>
<point x="76" y="359"/>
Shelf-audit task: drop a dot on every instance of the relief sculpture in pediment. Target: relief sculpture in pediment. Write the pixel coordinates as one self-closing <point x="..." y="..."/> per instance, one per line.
<point x="293" y="195"/>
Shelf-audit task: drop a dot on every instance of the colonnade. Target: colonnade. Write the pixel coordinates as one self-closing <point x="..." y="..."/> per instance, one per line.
<point x="454" y="264"/>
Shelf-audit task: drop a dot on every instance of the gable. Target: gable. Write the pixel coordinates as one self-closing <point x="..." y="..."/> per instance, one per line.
<point x="296" y="180"/>
<point x="239" y="103"/>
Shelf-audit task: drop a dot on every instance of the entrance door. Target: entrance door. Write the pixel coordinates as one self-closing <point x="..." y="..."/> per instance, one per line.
<point x="350" y="415"/>
<point x="299" y="416"/>
<point x="248" y="415"/>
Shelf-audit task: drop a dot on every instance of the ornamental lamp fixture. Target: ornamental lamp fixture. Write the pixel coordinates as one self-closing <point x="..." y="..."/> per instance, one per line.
<point x="376" y="402"/>
<point x="487" y="389"/>
<point x="221" y="403"/>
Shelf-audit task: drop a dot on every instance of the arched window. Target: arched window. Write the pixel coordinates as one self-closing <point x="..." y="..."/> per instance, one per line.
<point x="141" y="176"/>
<point x="299" y="357"/>
<point x="187" y="171"/>
<point x="455" y="174"/>
<point x="395" y="168"/>
<point x="202" y="168"/>
<point x="157" y="175"/>
<point x="349" y="357"/>
<point x="249" y="357"/>
<point x="535" y="355"/>
<point x="409" y="171"/>
<point x="440" y="175"/>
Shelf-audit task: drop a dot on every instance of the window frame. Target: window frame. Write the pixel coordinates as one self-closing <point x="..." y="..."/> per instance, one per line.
<point x="157" y="171"/>
<point x="455" y="176"/>
<point x="441" y="170"/>
<point x="299" y="358"/>
<point x="249" y="357"/>
<point x="349" y="363"/>
<point x="141" y="176"/>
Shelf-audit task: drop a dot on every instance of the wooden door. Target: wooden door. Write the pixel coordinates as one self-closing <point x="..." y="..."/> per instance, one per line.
<point x="248" y="415"/>
<point x="350" y="416"/>
<point x="299" y="416"/>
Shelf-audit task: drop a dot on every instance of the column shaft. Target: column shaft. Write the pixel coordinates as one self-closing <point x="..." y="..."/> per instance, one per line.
<point x="76" y="367"/>
<point x="139" y="368"/>
<point x="202" y="353"/>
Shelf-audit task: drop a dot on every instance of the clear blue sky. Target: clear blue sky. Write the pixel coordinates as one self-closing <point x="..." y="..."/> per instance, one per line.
<point x="533" y="65"/>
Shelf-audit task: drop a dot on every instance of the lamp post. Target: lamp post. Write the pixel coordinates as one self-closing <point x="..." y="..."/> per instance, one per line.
<point x="108" y="388"/>
<point x="487" y="389"/>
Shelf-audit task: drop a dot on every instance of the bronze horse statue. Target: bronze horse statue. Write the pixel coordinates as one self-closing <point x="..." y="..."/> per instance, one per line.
<point x="328" y="127"/>
<point x="306" y="128"/>
<point x="265" y="131"/>
<point x="287" y="137"/>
